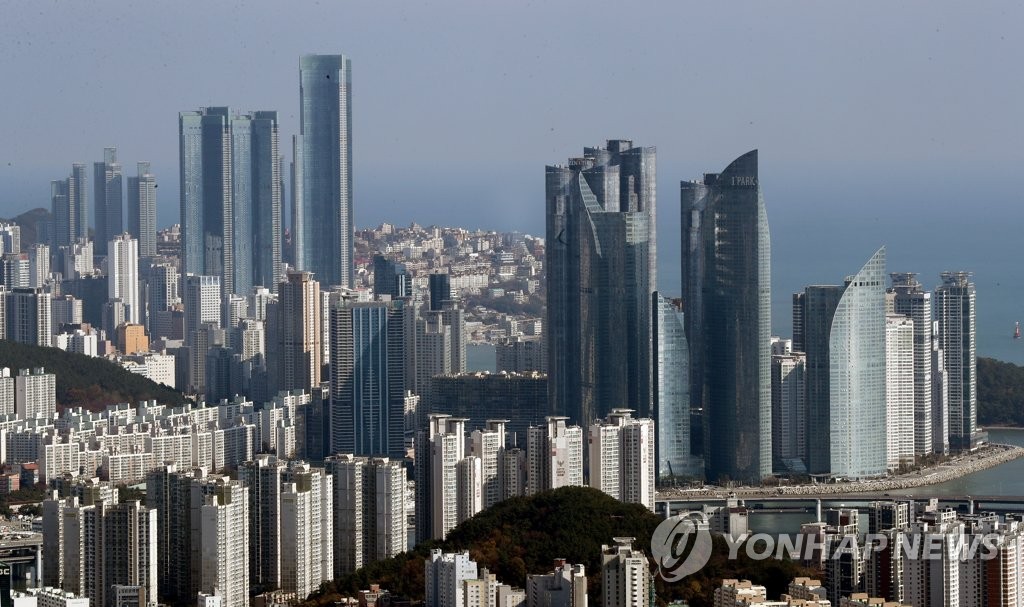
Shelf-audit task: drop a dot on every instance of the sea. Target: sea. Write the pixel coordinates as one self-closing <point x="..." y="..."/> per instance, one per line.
<point x="1003" y="480"/>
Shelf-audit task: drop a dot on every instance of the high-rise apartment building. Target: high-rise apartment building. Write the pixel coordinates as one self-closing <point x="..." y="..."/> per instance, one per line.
<point x="900" y="352"/>
<point x="141" y="217"/>
<point x="262" y="476"/>
<point x="123" y="274"/>
<point x="789" y="410"/>
<point x="307" y="538"/>
<point x="622" y="458"/>
<point x="914" y="302"/>
<point x="69" y="199"/>
<point x="626" y="579"/>
<point x="369" y="515"/>
<point x="38" y="264"/>
<point x="955" y="313"/>
<point x="367" y="377"/>
<point x="445" y="577"/>
<point x="10" y="237"/>
<point x="108" y="199"/>
<point x="554" y="454"/>
<point x="27" y="316"/>
<point x="727" y="293"/>
<point x="446" y="487"/>
<point x="220" y="539"/>
<point x="322" y="172"/>
<point x="202" y="303"/>
<point x="488" y="445"/>
<point x="231" y="197"/>
<point x="601" y="258"/>
<point x="844" y="335"/>
<point x="35" y="394"/>
<point x="565" y="586"/>
<point x="297" y="333"/>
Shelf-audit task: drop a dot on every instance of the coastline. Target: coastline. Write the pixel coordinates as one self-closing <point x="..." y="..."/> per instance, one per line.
<point x="989" y="456"/>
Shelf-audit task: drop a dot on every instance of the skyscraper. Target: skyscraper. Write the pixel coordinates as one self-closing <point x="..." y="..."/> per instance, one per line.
<point x="367" y="377"/>
<point x="727" y="294"/>
<point x="390" y="278"/>
<point x="912" y="301"/>
<point x="954" y="311"/>
<point x="899" y="389"/>
<point x="204" y="139"/>
<point x="440" y="288"/>
<point x="70" y="206"/>
<point x="621" y="457"/>
<point x="323" y="166"/>
<point x="297" y="333"/>
<point x="256" y="191"/>
<point x="844" y="335"/>
<point x="142" y="209"/>
<point x="108" y="203"/>
<point x="601" y="272"/>
<point x="672" y="389"/>
<point x="123" y="274"/>
<point x="231" y="196"/>
<point x="789" y="409"/>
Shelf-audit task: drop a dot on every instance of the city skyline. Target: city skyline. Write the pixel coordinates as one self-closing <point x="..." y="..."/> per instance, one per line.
<point x="818" y="120"/>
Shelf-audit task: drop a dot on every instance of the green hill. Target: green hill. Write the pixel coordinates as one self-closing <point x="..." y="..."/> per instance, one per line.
<point x="524" y="535"/>
<point x="1000" y="393"/>
<point x="83" y="381"/>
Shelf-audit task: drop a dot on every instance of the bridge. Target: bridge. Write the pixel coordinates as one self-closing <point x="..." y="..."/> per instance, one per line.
<point x="23" y="552"/>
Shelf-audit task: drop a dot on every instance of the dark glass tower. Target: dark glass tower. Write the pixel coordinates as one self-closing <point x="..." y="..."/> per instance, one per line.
<point x="440" y="290"/>
<point x="108" y="188"/>
<point x="600" y="277"/>
<point x="390" y="278"/>
<point x="727" y="299"/>
<point x="323" y="165"/>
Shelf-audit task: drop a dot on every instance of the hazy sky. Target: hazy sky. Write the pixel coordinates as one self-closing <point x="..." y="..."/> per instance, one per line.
<point x="876" y="121"/>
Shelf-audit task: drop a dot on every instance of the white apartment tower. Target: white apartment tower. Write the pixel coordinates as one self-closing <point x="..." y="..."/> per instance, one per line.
<point x="914" y="302"/>
<point x="445" y="574"/>
<point x="488" y="445"/>
<point x="622" y="457"/>
<point x="223" y="525"/>
<point x="554" y="455"/>
<point x="123" y="274"/>
<point x="565" y="586"/>
<point x="625" y="576"/>
<point x="365" y="487"/>
<point x="307" y="541"/>
<point x="900" y="390"/>
<point x="35" y="394"/>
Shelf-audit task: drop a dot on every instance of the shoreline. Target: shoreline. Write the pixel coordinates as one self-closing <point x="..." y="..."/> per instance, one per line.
<point x="990" y="456"/>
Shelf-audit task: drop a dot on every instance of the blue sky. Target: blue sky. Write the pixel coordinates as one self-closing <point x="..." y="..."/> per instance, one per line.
<point x="877" y="122"/>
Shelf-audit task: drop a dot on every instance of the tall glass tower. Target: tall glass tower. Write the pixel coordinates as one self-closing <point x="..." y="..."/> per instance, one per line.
<point x="323" y="170"/>
<point x="108" y="188"/>
<point x="231" y="197"/>
<point x="727" y="296"/>
<point x="142" y="209"/>
<point x="954" y="311"/>
<point x="844" y="332"/>
<point x="600" y="277"/>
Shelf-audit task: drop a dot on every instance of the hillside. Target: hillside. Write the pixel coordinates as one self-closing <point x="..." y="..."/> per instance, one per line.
<point x="524" y="535"/>
<point x="29" y="221"/>
<point x="1000" y="393"/>
<point x="83" y="381"/>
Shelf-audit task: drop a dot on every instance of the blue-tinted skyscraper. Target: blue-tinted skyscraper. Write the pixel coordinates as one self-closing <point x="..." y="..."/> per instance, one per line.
<point x="108" y="199"/>
<point x="844" y="334"/>
<point x="954" y="311"/>
<point x="231" y="197"/>
<point x="367" y="377"/>
<point x="206" y="201"/>
<point x="142" y="209"/>
<point x="69" y="200"/>
<point x="323" y="166"/>
<point x="601" y="256"/>
<point x="390" y="278"/>
<point x="727" y="299"/>
<point x="672" y="390"/>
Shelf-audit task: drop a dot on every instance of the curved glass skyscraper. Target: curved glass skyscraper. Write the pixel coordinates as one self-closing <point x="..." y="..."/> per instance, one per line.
<point x="844" y="334"/>
<point x="323" y="170"/>
<point x="600" y="277"/>
<point x="727" y="299"/>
